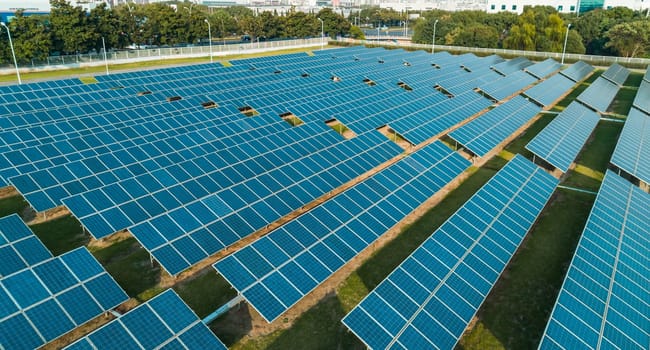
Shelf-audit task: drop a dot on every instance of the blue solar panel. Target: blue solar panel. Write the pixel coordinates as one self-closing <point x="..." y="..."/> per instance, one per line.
<point x="50" y="298"/>
<point x="428" y="301"/>
<point x="578" y="71"/>
<point x="276" y="271"/>
<point x="561" y="140"/>
<point x="505" y="87"/>
<point x="543" y="69"/>
<point x="162" y="322"/>
<point x="487" y="131"/>
<point x="633" y="147"/>
<point x="642" y="98"/>
<point x="616" y="73"/>
<point x="550" y="90"/>
<point x="513" y="65"/>
<point x="19" y="247"/>
<point x="603" y="302"/>
<point x="599" y="95"/>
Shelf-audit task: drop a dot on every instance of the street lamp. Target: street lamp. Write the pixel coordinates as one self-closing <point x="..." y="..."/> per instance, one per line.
<point x="322" y="34"/>
<point x="566" y="37"/>
<point x="209" y="38"/>
<point x="433" y="41"/>
<point x="105" y="59"/>
<point x="13" y="53"/>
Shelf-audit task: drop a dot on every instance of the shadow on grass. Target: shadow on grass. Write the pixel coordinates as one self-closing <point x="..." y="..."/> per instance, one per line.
<point x="12" y="205"/>
<point x="131" y="267"/>
<point x="516" y="311"/>
<point x="61" y="235"/>
<point x="205" y="292"/>
<point x="231" y="327"/>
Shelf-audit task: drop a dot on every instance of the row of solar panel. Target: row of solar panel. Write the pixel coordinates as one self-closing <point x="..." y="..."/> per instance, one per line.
<point x="163" y="322"/>
<point x="130" y="201"/>
<point x="577" y="71"/>
<point x="616" y="73"/>
<point x="484" y="133"/>
<point x="44" y="188"/>
<point x="603" y="302"/>
<point x="642" y="98"/>
<point x="561" y="140"/>
<point x="599" y="95"/>
<point x="19" y="247"/>
<point x="511" y="66"/>
<point x="549" y="90"/>
<point x="279" y="269"/>
<point x="183" y="237"/>
<point x="428" y="301"/>
<point x="504" y="87"/>
<point x="543" y="69"/>
<point x="633" y="147"/>
<point x="48" y="299"/>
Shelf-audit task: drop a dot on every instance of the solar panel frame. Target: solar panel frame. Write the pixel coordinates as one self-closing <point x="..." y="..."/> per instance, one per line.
<point x="633" y="146"/>
<point x="19" y="247"/>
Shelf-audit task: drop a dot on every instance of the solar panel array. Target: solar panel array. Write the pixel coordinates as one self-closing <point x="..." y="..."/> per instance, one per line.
<point x="549" y="90"/>
<point x="276" y="271"/>
<point x="430" y="298"/>
<point x="19" y="247"/>
<point x="578" y="71"/>
<point x="484" y="133"/>
<point x="512" y="65"/>
<point x="616" y="73"/>
<point x="46" y="300"/>
<point x="633" y="148"/>
<point x="642" y="98"/>
<point x="182" y="237"/>
<point x="561" y="140"/>
<point x="543" y="69"/>
<point x="599" y="95"/>
<point x="507" y="86"/>
<point x="163" y="322"/>
<point x="604" y="301"/>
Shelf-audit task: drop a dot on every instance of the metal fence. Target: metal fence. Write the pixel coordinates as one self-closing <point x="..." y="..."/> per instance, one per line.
<point x="218" y="49"/>
<point x="631" y="62"/>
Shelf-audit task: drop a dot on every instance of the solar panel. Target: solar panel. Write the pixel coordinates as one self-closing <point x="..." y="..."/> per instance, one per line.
<point x="633" y="147"/>
<point x="512" y="65"/>
<point x="164" y="322"/>
<point x="603" y="302"/>
<point x="616" y="73"/>
<point x="484" y="133"/>
<point x="184" y="236"/>
<point x="646" y="77"/>
<point x="549" y="90"/>
<point x="19" y="247"/>
<point x="543" y="69"/>
<point x="642" y="98"/>
<point x="276" y="271"/>
<point x="431" y="297"/>
<point x="505" y="87"/>
<point x="599" y="95"/>
<point x="578" y="71"/>
<point x="50" y="298"/>
<point x="561" y="141"/>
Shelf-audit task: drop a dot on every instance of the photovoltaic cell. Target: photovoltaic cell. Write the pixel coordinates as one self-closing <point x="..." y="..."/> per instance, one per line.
<point x="633" y="147"/>
<point x="428" y="301"/>
<point x="163" y="322"/>
<point x="48" y="299"/>
<point x="599" y="95"/>
<point x="603" y="302"/>
<point x="19" y="247"/>
<point x="578" y="71"/>
<point x="562" y="139"/>
<point x="276" y="271"/>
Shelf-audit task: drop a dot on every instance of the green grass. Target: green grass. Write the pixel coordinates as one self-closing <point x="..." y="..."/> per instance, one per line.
<point x="560" y="106"/>
<point x="515" y="313"/>
<point x="593" y="160"/>
<point x="206" y="292"/>
<point x="625" y="97"/>
<point x="130" y="266"/>
<point x="61" y="235"/>
<point x="12" y="205"/>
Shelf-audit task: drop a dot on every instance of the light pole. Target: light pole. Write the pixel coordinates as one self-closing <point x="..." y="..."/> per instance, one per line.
<point x="209" y="38"/>
<point x="322" y="34"/>
<point x="433" y="41"/>
<point x="13" y="53"/>
<point x="566" y="37"/>
<point x="223" y="33"/>
<point x="105" y="59"/>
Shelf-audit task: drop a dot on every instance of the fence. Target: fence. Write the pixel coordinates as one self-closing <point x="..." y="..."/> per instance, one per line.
<point x="631" y="62"/>
<point x="159" y="53"/>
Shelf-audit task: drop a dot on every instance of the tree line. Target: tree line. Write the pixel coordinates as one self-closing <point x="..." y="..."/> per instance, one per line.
<point x="71" y="30"/>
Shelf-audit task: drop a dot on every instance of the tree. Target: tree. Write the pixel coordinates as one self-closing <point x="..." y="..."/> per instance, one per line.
<point x="70" y="30"/>
<point x="103" y="23"/>
<point x="629" y="39"/>
<point x="357" y="33"/>
<point x="334" y="24"/>
<point x="520" y="37"/>
<point x="477" y="35"/>
<point x="30" y="37"/>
